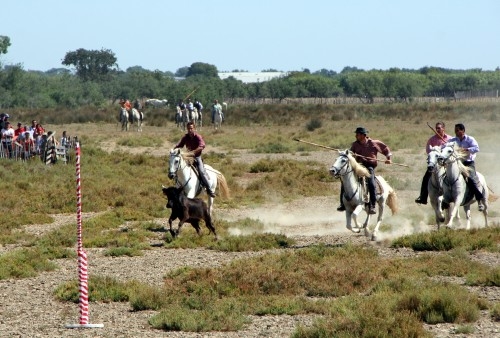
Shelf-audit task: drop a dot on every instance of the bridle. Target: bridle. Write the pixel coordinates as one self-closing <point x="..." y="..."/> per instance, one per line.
<point x="347" y="168"/>
<point x="173" y="174"/>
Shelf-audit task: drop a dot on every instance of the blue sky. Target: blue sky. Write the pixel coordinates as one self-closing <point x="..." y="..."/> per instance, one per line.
<point x="258" y="34"/>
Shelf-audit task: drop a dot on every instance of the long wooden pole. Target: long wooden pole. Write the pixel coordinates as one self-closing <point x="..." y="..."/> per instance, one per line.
<point x="435" y="132"/>
<point x="330" y="148"/>
<point x="191" y="93"/>
<point x="315" y="144"/>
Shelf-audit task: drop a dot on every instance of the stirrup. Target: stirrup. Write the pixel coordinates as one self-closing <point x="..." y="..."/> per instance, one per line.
<point x="420" y="200"/>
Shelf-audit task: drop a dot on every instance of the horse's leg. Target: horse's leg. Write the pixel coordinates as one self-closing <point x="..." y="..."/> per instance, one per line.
<point x="452" y="211"/>
<point x="210" y="203"/>
<point x="355" y="214"/>
<point x="349" y="216"/>
<point x="485" y="213"/>
<point x="380" y="217"/>
<point x="467" y="215"/>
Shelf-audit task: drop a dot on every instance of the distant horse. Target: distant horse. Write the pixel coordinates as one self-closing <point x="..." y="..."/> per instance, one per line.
<point x="136" y="117"/>
<point x="455" y="189"/>
<point x="217" y="119"/>
<point x="355" y="194"/>
<point x="178" y="118"/>
<point x="435" y="185"/>
<point x="156" y="103"/>
<point x="193" y="116"/>
<point x="181" y="168"/>
<point x="124" y="119"/>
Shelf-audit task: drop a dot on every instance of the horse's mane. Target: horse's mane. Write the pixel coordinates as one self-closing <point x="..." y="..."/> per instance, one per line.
<point x="460" y="154"/>
<point x="359" y="169"/>
<point x="188" y="156"/>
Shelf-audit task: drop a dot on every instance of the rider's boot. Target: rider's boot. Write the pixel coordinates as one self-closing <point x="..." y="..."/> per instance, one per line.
<point x="421" y="200"/>
<point x="204" y="182"/>
<point x="341" y="207"/>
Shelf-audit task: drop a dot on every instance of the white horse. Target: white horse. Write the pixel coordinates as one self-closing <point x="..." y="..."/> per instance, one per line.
<point x="178" y="118"/>
<point x="193" y="116"/>
<point x="455" y="189"/>
<point x="355" y="197"/>
<point x="435" y="185"/>
<point x="136" y="117"/>
<point x="124" y="119"/>
<point x="156" y="103"/>
<point x="218" y="119"/>
<point x="181" y="168"/>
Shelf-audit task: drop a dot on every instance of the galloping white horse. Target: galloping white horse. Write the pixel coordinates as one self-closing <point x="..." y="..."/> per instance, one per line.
<point x="218" y="119"/>
<point x="350" y="172"/>
<point x="137" y="117"/>
<point x="180" y="167"/>
<point x="455" y="189"/>
<point x="124" y="119"/>
<point x="435" y="185"/>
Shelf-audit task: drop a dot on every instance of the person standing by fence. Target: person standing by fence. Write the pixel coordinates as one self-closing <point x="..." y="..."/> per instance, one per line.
<point x="8" y="136"/>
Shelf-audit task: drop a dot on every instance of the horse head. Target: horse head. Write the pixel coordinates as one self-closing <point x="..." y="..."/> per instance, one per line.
<point x="340" y="163"/>
<point x="447" y="154"/>
<point x="433" y="157"/>
<point x="174" y="162"/>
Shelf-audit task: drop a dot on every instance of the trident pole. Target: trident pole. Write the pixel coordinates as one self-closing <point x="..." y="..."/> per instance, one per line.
<point x="330" y="148"/>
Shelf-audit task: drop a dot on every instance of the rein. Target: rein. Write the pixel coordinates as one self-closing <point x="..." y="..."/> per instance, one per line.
<point x="177" y="176"/>
<point x="346" y="173"/>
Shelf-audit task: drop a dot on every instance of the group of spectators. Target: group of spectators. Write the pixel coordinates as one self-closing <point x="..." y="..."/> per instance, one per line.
<point x="27" y="142"/>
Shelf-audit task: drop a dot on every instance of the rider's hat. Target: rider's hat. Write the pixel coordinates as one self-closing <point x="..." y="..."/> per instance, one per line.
<point x="361" y="130"/>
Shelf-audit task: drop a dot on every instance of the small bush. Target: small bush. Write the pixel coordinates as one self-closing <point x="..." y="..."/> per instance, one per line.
<point x="313" y="124"/>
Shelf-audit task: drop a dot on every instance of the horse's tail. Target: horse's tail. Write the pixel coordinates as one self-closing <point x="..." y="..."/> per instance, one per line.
<point x="222" y="184"/>
<point x="392" y="201"/>
<point x="492" y="198"/>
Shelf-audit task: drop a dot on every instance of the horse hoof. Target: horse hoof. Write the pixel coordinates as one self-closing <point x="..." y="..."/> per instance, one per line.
<point x="355" y="230"/>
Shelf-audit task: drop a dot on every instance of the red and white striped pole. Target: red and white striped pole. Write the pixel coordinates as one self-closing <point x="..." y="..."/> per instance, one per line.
<point x="83" y="275"/>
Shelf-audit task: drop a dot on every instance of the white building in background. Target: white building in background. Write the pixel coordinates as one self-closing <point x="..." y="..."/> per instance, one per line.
<point x="248" y="77"/>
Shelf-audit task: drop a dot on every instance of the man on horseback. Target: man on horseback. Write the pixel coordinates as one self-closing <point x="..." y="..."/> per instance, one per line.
<point x="470" y="144"/>
<point x="194" y="142"/>
<point x="138" y="105"/>
<point x="439" y="139"/>
<point x="216" y="108"/>
<point x="365" y="150"/>
<point x="190" y="108"/>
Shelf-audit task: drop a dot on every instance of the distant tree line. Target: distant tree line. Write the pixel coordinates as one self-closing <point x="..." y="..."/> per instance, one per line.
<point x="94" y="78"/>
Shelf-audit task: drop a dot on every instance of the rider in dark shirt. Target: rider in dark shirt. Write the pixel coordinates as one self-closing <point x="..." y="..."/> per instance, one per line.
<point x="194" y="142"/>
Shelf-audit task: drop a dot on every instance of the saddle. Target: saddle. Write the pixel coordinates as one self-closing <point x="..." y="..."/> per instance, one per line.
<point x="379" y="190"/>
